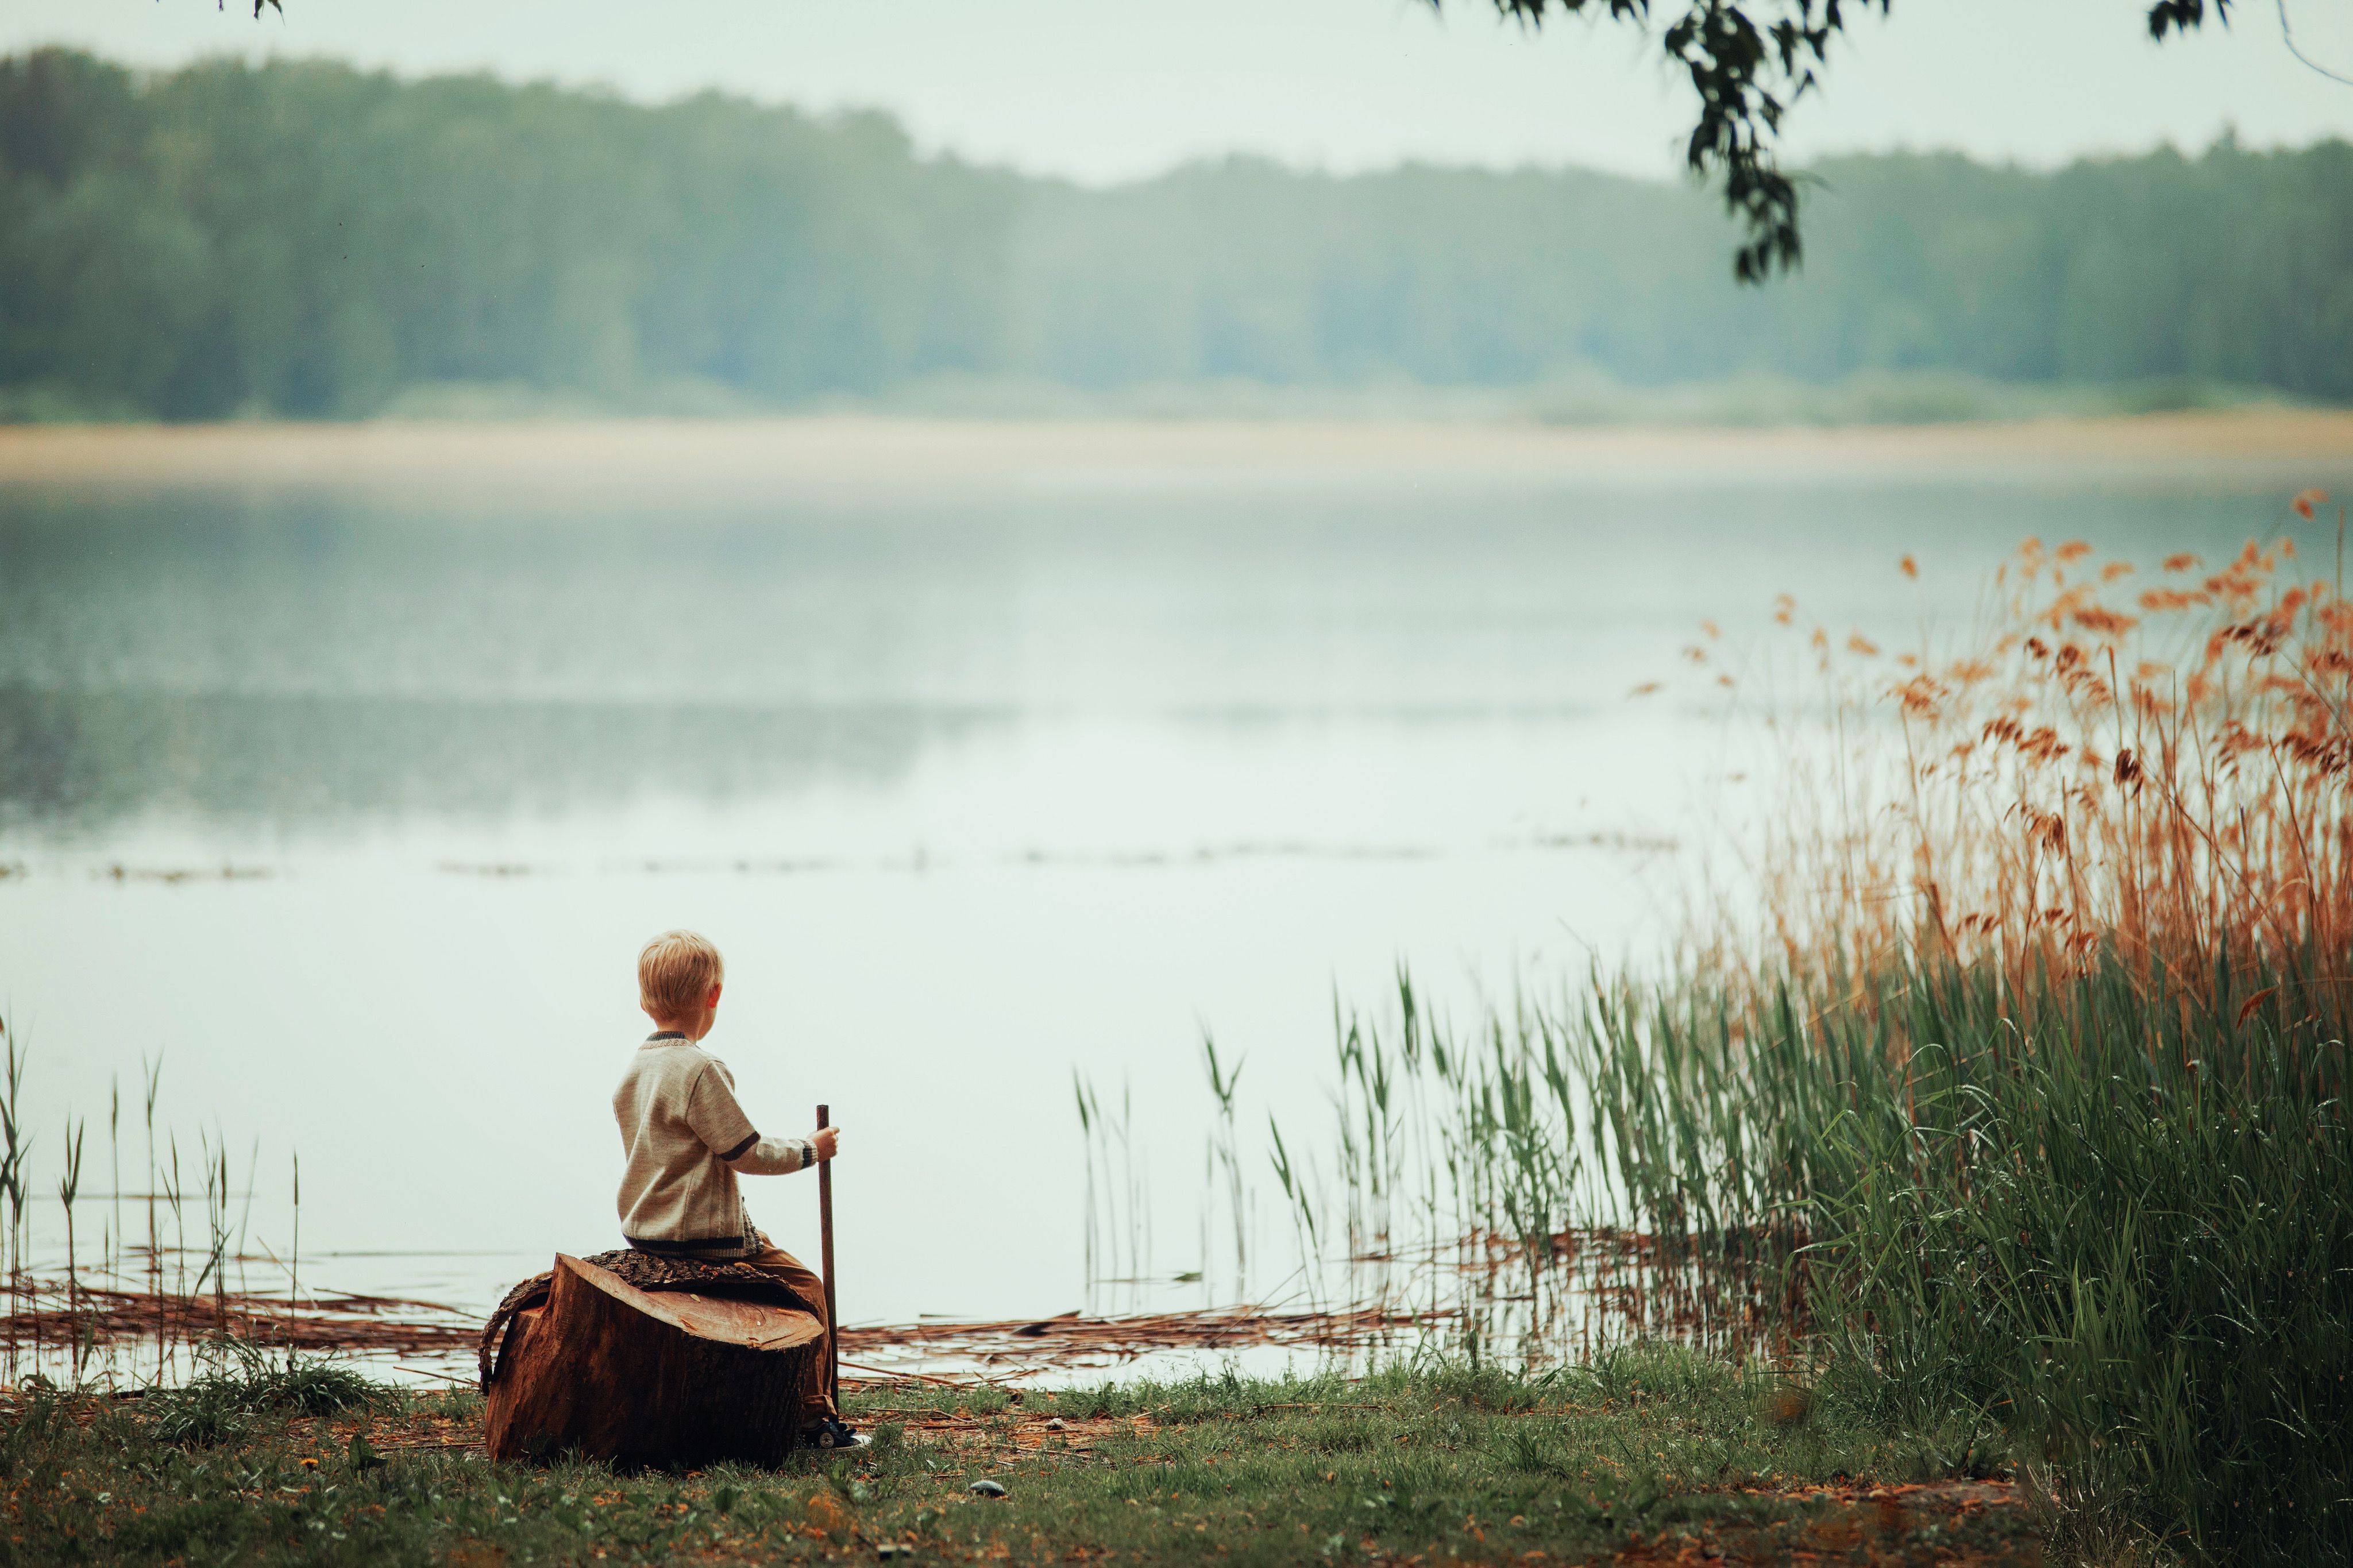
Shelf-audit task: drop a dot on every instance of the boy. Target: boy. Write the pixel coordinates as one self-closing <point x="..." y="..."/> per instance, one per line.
<point x="687" y="1141"/>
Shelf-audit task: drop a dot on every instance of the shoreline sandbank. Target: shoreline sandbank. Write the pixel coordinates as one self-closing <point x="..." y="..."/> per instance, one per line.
<point x="858" y="452"/>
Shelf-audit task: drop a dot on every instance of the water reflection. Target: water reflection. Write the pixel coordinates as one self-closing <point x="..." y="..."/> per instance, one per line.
<point x="73" y="762"/>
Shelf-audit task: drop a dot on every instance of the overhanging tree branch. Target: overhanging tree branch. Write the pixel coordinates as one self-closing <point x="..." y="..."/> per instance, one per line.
<point x="1750" y="61"/>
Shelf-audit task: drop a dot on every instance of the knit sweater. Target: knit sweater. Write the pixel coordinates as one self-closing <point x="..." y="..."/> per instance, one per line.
<point x="686" y="1139"/>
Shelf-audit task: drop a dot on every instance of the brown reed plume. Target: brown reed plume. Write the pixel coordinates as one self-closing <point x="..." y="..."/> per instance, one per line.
<point x="2153" y="772"/>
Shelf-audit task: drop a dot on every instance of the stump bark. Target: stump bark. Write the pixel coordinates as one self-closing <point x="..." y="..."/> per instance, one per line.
<point x="641" y="1377"/>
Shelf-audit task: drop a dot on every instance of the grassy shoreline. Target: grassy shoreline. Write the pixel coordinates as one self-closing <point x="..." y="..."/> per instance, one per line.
<point x="1646" y="1455"/>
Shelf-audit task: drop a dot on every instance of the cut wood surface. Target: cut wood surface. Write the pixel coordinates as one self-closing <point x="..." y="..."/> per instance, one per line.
<point x="641" y="1377"/>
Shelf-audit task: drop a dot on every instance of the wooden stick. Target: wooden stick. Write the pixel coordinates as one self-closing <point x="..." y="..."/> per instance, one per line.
<point x="825" y="1244"/>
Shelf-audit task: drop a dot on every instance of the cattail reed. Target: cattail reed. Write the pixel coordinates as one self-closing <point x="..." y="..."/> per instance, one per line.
<point x="1226" y="1152"/>
<point x="173" y="1323"/>
<point x="1125" y="1210"/>
<point x="114" y="1172"/>
<point x="244" y="1210"/>
<point x="69" y="1189"/>
<point x="216" y="1251"/>
<point x="1087" y="1136"/>
<point x="294" y="1265"/>
<point x="12" y="1179"/>
<point x="153" y="1077"/>
<point x="18" y="1146"/>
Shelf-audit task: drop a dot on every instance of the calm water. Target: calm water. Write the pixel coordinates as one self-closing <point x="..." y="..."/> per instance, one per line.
<point x="973" y="791"/>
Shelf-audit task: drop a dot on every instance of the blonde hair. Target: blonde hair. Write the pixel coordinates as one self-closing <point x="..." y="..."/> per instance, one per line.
<point x="676" y="971"/>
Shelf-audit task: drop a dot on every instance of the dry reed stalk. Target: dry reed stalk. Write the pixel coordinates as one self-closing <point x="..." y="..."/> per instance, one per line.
<point x="2161" y="780"/>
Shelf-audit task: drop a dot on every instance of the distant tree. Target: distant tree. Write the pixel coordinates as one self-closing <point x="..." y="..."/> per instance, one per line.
<point x="1750" y="61"/>
<point x="314" y="241"/>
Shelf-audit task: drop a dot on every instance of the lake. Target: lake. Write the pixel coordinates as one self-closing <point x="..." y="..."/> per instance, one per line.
<point x="348" y="783"/>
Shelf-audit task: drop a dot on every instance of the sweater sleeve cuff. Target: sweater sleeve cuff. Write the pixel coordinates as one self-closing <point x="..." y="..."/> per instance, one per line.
<point x="758" y="1156"/>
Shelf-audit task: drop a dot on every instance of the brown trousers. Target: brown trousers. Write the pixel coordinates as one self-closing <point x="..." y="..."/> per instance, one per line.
<point x="817" y="1387"/>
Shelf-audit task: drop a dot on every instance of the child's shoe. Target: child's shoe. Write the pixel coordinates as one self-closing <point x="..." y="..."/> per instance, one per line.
<point x="834" y="1432"/>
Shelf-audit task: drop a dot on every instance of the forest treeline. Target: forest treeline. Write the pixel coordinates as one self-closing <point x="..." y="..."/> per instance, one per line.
<point x="311" y="240"/>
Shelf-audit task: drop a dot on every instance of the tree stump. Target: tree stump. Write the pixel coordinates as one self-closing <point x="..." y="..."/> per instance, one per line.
<point x="641" y="1377"/>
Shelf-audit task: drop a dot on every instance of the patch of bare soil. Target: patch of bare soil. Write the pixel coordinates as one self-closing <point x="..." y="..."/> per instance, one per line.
<point x="1961" y="1523"/>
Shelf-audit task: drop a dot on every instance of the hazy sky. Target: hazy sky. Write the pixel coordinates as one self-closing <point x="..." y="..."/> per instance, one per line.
<point x="1108" y="88"/>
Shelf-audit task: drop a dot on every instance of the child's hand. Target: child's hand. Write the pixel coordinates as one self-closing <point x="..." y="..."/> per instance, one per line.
<point x="826" y="1139"/>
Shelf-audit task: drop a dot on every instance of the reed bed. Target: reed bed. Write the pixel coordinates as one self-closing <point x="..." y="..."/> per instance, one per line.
<point x="1461" y="1182"/>
<point x="165" y="1273"/>
<point x="2039" y="1074"/>
<point x="2001" y="1072"/>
